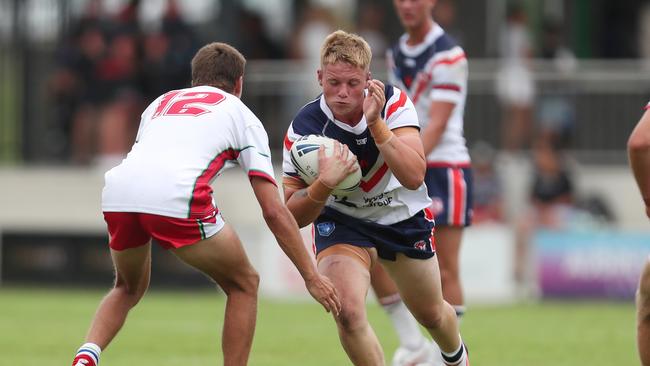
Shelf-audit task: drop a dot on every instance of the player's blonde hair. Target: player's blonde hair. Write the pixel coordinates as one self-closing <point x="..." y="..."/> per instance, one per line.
<point x="219" y="65"/>
<point x="345" y="47"/>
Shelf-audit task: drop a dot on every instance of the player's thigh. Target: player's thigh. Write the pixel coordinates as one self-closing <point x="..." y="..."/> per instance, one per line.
<point x="418" y="281"/>
<point x="133" y="266"/>
<point x="350" y="275"/>
<point x="448" y="240"/>
<point x="221" y="257"/>
<point x="643" y="295"/>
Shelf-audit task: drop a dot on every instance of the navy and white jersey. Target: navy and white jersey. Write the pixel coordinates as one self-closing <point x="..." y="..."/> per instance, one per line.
<point x="434" y="70"/>
<point x="380" y="197"/>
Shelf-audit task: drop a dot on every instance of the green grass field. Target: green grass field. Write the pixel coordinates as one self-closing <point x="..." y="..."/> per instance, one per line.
<point x="45" y="327"/>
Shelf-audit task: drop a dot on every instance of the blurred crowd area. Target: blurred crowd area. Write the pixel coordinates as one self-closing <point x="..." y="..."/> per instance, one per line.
<point x="76" y="74"/>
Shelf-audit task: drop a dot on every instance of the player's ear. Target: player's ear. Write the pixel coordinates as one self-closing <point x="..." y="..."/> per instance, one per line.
<point x="319" y="74"/>
<point x="239" y="87"/>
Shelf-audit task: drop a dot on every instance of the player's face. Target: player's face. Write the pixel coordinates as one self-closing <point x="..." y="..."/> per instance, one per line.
<point x="414" y="13"/>
<point x="343" y="86"/>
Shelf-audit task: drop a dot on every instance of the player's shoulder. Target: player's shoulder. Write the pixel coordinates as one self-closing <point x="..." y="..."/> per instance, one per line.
<point x="310" y="118"/>
<point x="445" y="43"/>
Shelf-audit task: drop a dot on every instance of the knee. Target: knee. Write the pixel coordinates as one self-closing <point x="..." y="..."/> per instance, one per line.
<point x="432" y="318"/>
<point x="246" y="283"/>
<point x="132" y="293"/>
<point x="351" y="319"/>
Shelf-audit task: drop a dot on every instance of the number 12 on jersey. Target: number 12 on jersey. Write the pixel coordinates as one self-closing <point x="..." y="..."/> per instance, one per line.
<point x="180" y="103"/>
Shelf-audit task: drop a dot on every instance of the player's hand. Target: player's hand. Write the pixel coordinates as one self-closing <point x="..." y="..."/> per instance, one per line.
<point x="323" y="291"/>
<point x="336" y="167"/>
<point x="374" y="101"/>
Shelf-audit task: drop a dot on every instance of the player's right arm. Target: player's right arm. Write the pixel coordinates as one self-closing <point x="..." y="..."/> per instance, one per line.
<point x="284" y="227"/>
<point x="306" y="202"/>
<point x="638" y="147"/>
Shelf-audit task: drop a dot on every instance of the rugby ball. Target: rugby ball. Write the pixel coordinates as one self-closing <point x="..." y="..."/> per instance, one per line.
<point x="304" y="156"/>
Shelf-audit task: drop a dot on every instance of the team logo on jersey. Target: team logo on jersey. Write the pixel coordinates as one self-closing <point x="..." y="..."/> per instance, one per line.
<point x="409" y="62"/>
<point x="362" y="141"/>
<point x="420" y="245"/>
<point x="325" y="228"/>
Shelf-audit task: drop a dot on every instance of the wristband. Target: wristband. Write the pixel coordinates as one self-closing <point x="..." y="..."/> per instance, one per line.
<point x="381" y="133"/>
<point x="382" y="144"/>
<point x="317" y="190"/>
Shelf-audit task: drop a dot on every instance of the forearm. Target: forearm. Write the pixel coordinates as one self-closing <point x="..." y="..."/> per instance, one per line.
<point x="431" y="136"/>
<point x="406" y="163"/>
<point x="286" y="232"/>
<point x="307" y="203"/>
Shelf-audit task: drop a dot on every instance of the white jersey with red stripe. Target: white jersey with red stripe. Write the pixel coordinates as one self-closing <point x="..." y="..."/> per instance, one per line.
<point x="185" y="140"/>
<point x="380" y="197"/>
<point x="434" y="70"/>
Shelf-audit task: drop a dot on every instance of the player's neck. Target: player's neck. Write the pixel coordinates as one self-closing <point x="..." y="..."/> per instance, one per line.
<point x="419" y="33"/>
<point x="351" y="119"/>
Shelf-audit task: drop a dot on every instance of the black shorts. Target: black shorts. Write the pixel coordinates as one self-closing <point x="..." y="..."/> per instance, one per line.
<point x="413" y="236"/>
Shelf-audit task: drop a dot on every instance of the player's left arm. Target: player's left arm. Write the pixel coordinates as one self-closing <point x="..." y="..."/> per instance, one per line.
<point x="401" y="148"/>
<point x="439" y="114"/>
<point x="638" y="148"/>
<point x="448" y="91"/>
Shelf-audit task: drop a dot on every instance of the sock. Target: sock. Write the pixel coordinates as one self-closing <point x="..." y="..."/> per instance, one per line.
<point x="457" y="357"/>
<point x="460" y="311"/>
<point x="87" y="355"/>
<point x="407" y="328"/>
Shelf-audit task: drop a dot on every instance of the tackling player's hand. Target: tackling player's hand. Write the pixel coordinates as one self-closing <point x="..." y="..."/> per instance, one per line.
<point x="374" y="101"/>
<point x="323" y="291"/>
<point x="336" y="167"/>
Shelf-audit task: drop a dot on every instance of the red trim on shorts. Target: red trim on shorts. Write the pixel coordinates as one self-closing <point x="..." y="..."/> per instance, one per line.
<point x="201" y="202"/>
<point x="429" y="216"/>
<point x="442" y="164"/>
<point x="261" y="174"/>
<point x="400" y="103"/>
<point x="458" y="196"/>
<point x="372" y="182"/>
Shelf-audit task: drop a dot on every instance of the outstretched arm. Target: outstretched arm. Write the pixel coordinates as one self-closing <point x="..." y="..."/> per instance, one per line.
<point x="284" y="227"/>
<point x="638" y="148"/>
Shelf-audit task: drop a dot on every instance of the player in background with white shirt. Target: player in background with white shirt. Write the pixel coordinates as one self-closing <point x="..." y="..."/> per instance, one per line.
<point x="432" y="69"/>
<point x="162" y="190"/>
<point x="638" y="147"/>
<point x="386" y="219"/>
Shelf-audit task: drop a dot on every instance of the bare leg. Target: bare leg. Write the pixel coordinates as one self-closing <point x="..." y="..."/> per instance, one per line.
<point x="132" y="272"/>
<point x="419" y="284"/>
<point x="223" y="259"/>
<point x="352" y="281"/>
<point x="448" y="239"/>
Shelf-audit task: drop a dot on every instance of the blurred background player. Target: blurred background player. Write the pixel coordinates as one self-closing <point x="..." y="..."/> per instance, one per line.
<point x="162" y="191"/>
<point x="432" y="69"/>
<point x="638" y="147"/>
<point x="387" y="219"/>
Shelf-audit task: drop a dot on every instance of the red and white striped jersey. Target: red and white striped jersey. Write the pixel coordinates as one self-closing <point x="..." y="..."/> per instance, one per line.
<point x="185" y="140"/>
<point x="434" y="70"/>
<point x="380" y="197"/>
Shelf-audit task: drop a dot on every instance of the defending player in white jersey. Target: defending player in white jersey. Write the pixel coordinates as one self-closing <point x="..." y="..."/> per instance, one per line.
<point x="386" y="219"/>
<point x="638" y="147"/>
<point x="432" y="69"/>
<point x="162" y="190"/>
